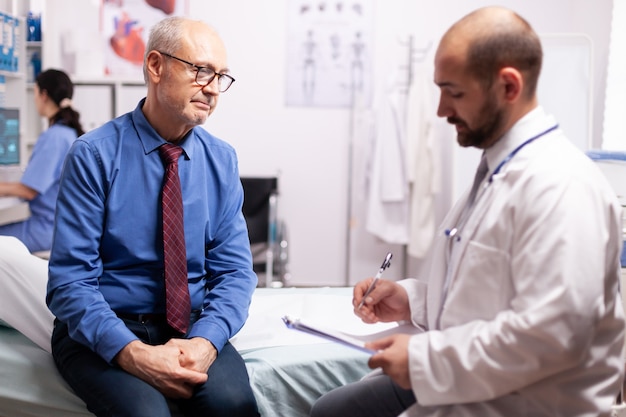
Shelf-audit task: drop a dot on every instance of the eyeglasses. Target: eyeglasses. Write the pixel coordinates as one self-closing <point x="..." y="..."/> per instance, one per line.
<point x="205" y="75"/>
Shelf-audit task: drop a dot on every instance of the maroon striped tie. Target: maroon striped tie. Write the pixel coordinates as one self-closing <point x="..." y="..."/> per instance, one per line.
<point x="177" y="303"/>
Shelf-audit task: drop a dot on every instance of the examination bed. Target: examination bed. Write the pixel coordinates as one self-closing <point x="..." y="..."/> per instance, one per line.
<point x="288" y="369"/>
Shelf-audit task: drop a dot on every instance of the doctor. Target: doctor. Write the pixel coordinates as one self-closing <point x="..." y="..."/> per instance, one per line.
<point x="521" y="305"/>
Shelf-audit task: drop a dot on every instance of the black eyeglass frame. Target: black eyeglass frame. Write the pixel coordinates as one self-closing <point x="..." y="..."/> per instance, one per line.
<point x="201" y="68"/>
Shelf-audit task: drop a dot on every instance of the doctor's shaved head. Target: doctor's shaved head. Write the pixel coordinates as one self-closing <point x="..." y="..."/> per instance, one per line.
<point x="494" y="38"/>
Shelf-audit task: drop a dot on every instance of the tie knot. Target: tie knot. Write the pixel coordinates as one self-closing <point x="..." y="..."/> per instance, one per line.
<point x="170" y="153"/>
<point x="483" y="167"/>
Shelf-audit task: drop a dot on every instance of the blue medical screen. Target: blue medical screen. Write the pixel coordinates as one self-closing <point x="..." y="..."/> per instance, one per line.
<point x="9" y="136"/>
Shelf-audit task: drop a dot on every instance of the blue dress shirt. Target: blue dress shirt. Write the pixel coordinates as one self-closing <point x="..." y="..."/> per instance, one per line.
<point x="107" y="253"/>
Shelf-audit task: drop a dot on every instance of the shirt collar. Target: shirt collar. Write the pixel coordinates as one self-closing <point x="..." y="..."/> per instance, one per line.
<point x="150" y="139"/>
<point x="531" y="124"/>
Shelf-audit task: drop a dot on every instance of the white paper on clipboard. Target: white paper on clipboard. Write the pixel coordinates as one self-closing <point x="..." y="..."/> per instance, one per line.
<point x="346" y="339"/>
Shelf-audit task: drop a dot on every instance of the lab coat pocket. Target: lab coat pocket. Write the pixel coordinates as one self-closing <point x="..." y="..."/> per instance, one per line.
<point x="479" y="289"/>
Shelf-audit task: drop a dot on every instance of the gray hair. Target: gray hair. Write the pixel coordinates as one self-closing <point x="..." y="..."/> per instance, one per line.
<point x="165" y="36"/>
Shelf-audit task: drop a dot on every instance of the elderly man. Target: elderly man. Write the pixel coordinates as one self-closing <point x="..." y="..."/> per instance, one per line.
<point x="148" y="283"/>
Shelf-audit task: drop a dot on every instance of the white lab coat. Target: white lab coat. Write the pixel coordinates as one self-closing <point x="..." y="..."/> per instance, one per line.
<point x="388" y="196"/>
<point x="532" y="324"/>
<point x="424" y="173"/>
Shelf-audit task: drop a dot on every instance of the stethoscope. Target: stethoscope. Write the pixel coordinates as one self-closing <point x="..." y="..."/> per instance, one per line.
<point x="452" y="232"/>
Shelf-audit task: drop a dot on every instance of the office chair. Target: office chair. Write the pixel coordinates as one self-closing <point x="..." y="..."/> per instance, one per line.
<point x="267" y="233"/>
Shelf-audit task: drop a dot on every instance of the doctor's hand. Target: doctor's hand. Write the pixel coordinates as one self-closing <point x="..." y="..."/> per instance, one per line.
<point x="392" y="358"/>
<point x="388" y="301"/>
<point x="160" y="367"/>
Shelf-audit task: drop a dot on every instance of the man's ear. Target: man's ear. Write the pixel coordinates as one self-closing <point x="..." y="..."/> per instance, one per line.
<point x="154" y="66"/>
<point x="513" y="83"/>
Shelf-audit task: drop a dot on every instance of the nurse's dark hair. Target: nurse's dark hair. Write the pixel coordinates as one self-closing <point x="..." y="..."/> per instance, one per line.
<point x="59" y="87"/>
<point x="506" y="45"/>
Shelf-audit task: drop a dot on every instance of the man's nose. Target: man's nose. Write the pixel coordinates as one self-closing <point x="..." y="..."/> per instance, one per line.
<point x="443" y="109"/>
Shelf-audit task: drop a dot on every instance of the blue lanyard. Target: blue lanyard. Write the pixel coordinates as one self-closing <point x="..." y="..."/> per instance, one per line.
<point x="452" y="232"/>
<point x="516" y="150"/>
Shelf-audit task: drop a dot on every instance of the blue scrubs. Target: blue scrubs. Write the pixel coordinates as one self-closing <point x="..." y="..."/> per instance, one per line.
<point x="42" y="174"/>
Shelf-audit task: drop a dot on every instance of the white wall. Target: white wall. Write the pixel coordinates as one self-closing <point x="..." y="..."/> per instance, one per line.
<point x="615" y="108"/>
<point x="310" y="147"/>
<point x="306" y="146"/>
<point x="591" y="19"/>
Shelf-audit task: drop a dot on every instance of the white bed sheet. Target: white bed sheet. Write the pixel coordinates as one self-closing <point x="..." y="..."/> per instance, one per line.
<point x="288" y="370"/>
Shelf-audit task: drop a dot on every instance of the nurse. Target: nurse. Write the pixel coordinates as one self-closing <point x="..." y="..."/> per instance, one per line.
<point x="39" y="184"/>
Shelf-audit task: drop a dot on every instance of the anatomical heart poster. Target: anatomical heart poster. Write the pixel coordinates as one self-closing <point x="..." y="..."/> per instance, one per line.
<point x="125" y="26"/>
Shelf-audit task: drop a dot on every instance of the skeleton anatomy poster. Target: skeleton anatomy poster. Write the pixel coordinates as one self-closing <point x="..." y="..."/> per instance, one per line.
<point x="329" y="56"/>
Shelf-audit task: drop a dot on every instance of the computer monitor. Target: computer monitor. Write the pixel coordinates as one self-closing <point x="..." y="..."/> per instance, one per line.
<point x="9" y="137"/>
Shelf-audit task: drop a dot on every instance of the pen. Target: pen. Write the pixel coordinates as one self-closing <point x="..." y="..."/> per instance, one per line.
<point x="384" y="266"/>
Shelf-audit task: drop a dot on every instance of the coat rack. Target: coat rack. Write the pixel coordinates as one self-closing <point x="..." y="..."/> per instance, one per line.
<point x="411" y="57"/>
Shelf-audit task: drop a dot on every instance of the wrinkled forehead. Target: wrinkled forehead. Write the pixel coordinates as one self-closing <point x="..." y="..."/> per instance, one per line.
<point x="202" y="44"/>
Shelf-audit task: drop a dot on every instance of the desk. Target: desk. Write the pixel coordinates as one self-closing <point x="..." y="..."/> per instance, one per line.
<point x="13" y="209"/>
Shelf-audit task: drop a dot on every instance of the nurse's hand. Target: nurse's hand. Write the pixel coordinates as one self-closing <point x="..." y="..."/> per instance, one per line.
<point x="388" y="301"/>
<point x="392" y="358"/>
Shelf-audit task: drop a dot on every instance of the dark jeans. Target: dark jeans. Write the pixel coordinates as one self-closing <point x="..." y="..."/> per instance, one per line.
<point x="109" y="391"/>
<point x="375" y="396"/>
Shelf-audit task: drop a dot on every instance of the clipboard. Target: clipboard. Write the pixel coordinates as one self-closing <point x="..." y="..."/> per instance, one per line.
<point x="355" y="342"/>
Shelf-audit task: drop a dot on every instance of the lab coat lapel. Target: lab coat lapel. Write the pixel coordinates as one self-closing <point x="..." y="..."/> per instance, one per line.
<point x="482" y="204"/>
<point x="438" y="266"/>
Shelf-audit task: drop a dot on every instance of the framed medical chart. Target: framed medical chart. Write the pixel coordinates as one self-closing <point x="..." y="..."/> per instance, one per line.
<point x="329" y="52"/>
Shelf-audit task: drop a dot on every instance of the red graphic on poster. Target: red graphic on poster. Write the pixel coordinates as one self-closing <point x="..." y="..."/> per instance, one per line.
<point x="126" y="41"/>
<point x="166" y="6"/>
